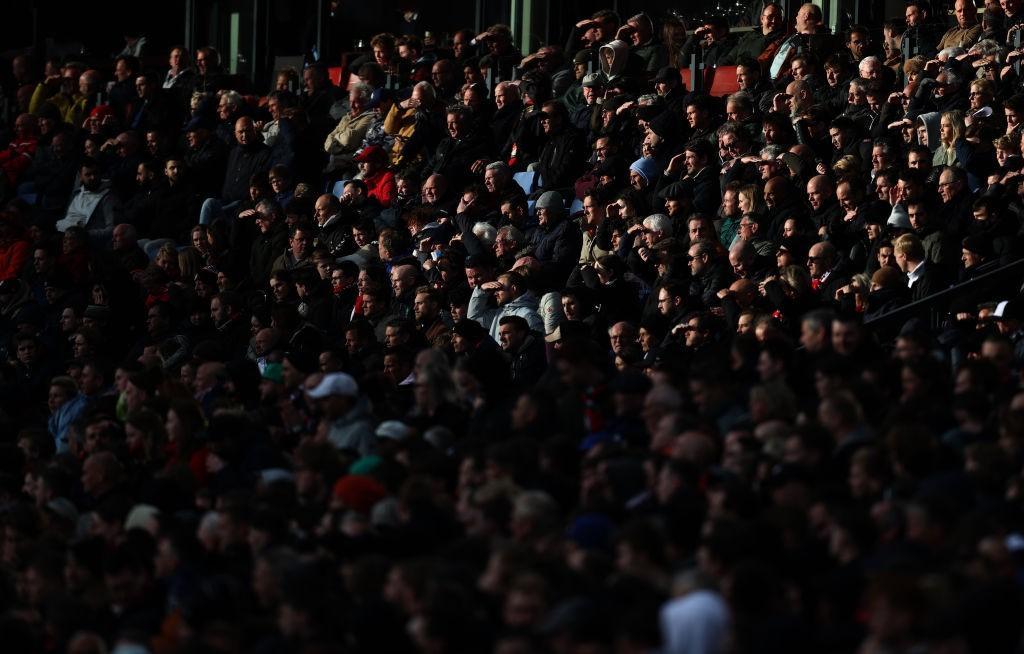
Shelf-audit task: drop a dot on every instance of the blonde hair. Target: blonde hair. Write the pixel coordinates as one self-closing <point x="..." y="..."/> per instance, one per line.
<point x="910" y="246"/>
<point x="753" y="195"/>
<point x="956" y="120"/>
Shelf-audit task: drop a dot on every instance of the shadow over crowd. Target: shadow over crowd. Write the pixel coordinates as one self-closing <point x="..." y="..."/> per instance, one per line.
<point x="521" y="354"/>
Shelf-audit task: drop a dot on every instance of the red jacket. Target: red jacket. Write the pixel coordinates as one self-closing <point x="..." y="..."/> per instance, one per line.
<point x="13" y="255"/>
<point x="16" y="158"/>
<point x="381" y="187"/>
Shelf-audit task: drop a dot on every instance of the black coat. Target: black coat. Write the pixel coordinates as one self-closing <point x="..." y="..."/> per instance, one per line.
<point x="562" y="158"/>
<point x="265" y="249"/>
<point x="243" y="163"/>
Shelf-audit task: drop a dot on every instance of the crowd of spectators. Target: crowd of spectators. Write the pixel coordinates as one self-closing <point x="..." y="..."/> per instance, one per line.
<point x="501" y="353"/>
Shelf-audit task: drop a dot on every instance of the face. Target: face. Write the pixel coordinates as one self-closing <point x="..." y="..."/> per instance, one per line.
<point x="799" y="69"/>
<point x="771" y="19"/>
<point x="914" y="16"/>
<point x="694" y="116"/>
<point x="978" y="98"/>
<point x="816" y="194"/>
<point x="858" y="45"/>
<point x="948" y="188"/>
<point x="882" y="188"/>
<point x="455" y="126"/>
<point x="430" y="192"/>
<point x="817" y="264"/>
<point x="696" y="261"/>
<point x="946" y="130"/>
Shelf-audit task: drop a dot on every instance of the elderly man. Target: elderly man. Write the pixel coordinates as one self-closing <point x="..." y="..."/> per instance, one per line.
<point x="343" y="142"/>
<point x="826" y="274"/>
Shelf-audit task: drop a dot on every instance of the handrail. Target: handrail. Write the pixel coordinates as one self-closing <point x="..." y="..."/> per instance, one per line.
<point x="909" y="310"/>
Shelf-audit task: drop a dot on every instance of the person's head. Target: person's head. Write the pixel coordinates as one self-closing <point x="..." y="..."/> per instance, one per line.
<point x="908" y="252"/>
<point x="207" y="60"/>
<point x="808" y="19"/>
<point x="814" y="331"/>
<point x="699" y="256"/>
<point x="89" y="175"/>
<point x="951" y="127"/>
<point x="821" y="258"/>
<point x="772" y="18"/>
<point x="433" y="189"/>
<point x="952" y="182"/>
<point x="696" y="156"/>
<point x="858" y="42"/>
<point x="358" y="97"/>
<point x="268" y="214"/>
<point x="457" y="121"/>
<point x="512" y="333"/>
<point x="512" y="286"/>
<point x="245" y="132"/>
<point x="820" y="191"/>
<point x="916" y="13"/>
<point x="505" y="93"/>
<point x="698" y="113"/>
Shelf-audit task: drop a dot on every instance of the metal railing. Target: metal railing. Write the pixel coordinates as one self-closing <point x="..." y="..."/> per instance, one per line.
<point x="934" y="307"/>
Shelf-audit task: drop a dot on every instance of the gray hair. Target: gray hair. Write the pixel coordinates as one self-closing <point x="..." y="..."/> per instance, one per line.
<point x="510" y="233"/>
<point x="658" y="222"/>
<point x="233" y="98"/>
<point x="427" y="91"/>
<point x="771" y="151"/>
<point x="499" y="166"/>
<point x="508" y="87"/>
<point x="362" y="90"/>
<point x="950" y="53"/>
<point x="485" y="232"/>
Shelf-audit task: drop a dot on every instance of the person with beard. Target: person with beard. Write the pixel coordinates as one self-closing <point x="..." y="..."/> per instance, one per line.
<point x="230" y="324"/>
<point x="94" y="207"/>
<point x="175" y="203"/>
<point x="700" y="176"/>
<point x="433" y="324"/>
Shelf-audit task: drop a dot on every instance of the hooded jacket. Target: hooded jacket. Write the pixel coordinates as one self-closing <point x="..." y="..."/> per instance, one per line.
<point x="620" y="54"/>
<point x="489" y="318"/>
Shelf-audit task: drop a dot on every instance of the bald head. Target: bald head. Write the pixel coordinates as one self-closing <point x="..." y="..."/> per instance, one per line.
<point x="245" y="134"/>
<point x="819" y="191"/>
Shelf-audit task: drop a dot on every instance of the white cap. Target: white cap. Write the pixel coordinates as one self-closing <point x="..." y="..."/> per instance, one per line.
<point x="393" y="429"/>
<point x="336" y="383"/>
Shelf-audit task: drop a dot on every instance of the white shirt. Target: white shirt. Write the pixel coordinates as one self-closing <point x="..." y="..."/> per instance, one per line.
<point x="915" y="274"/>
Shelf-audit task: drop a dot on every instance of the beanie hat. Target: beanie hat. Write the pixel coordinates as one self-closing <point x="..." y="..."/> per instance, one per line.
<point x="359" y="492"/>
<point x="647" y="168"/>
<point x="552" y="201"/>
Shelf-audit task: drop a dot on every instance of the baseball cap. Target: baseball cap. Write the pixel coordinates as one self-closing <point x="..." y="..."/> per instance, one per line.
<point x="335" y="383"/>
<point x="273" y="372"/>
<point x="392" y="429"/>
<point x="370" y="152"/>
